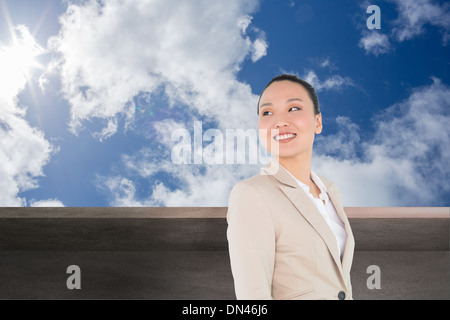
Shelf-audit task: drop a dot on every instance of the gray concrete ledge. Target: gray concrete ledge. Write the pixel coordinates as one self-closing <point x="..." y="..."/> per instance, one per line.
<point x="203" y="212"/>
<point x="181" y="253"/>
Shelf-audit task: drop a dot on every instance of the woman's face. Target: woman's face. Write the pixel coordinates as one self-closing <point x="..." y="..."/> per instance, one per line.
<point x="287" y="123"/>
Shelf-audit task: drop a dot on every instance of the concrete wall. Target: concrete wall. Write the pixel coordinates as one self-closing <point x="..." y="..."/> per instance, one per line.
<point x="181" y="253"/>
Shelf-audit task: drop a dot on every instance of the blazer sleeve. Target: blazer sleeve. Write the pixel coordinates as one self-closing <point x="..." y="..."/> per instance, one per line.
<point x="251" y="243"/>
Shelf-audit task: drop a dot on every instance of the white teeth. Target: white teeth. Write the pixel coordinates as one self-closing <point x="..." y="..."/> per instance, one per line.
<point x="285" y="136"/>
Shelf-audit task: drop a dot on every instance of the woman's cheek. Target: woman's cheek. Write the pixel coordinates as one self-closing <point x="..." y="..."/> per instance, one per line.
<point x="304" y="123"/>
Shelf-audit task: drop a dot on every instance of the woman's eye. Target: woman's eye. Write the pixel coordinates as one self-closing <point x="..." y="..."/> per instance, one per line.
<point x="266" y="113"/>
<point x="294" y="108"/>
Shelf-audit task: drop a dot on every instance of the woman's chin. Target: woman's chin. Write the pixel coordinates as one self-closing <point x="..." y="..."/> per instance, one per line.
<point x="289" y="154"/>
<point x="284" y="155"/>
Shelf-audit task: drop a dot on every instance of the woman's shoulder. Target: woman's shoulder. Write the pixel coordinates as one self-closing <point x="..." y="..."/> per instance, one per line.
<point x="257" y="182"/>
<point x="254" y="188"/>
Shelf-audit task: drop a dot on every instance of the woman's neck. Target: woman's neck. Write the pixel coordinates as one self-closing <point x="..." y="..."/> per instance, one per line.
<point x="299" y="166"/>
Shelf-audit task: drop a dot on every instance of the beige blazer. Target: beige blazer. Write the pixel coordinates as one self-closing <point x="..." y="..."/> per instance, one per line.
<point x="280" y="246"/>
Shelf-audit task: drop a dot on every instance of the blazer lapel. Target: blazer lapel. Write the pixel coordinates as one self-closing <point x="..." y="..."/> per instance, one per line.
<point x="305" y="206"/>
<point x="347" y="258"/>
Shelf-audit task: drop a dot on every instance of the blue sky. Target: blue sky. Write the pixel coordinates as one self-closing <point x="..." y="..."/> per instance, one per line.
<point x="87" y="118"/>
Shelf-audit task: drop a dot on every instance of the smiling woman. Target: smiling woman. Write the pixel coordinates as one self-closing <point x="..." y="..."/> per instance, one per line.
<point x="288" y="233"/>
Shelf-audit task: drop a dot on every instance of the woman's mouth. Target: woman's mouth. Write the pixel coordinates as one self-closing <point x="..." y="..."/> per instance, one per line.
<point x="286" y="137"/>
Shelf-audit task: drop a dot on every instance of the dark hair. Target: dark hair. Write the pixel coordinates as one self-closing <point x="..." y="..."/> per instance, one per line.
<point x="289" y="77"/>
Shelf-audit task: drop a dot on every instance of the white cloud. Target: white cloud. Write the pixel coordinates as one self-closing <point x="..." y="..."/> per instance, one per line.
<point x="412" y="19"/>
<point x="24" y="151"/>
<point x="189" y="184"/>
<point x="406" y="164"/>
<point x="335" y="82"/>
<point x="345" y="144"/>
<point x="189" y="51"/>
<point x="325" y="63"/>
<point x="107" y="131"/>
<point x="414" y="15"/>
<point x="46" y="203"/>
<point x="259" y="49"/>
<point x="375" y="43"/>
<point x="208" y="189"/>
<point x="122" y="191"/>
<point x="110" y="52"/>
<point x="197" y="185"/>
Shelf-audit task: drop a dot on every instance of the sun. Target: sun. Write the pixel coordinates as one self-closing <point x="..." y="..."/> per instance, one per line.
<point x="20" y="55"/>
<point x="18" y="58"/>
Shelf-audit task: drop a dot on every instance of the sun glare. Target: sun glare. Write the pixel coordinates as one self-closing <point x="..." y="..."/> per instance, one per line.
<point x="18" y="59"/>
<point x="20" y="55"/>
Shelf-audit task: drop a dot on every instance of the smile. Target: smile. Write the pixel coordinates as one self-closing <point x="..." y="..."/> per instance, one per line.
<point x="284" y="137"/>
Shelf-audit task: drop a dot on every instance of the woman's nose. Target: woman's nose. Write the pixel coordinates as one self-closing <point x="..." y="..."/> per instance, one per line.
<point x="281" y="122"/>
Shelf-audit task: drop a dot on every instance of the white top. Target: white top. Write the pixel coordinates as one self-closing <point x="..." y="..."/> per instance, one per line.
<point x="327" y="210"/>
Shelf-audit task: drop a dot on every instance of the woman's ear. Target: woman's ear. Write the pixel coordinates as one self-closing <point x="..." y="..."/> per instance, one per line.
<point x="318" y="128"/>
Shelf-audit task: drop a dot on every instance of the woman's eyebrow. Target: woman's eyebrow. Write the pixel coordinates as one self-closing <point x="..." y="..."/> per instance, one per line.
<point x="265" y="104"/>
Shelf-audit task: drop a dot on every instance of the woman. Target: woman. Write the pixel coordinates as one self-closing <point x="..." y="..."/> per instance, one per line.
<point x="288" y="235"/>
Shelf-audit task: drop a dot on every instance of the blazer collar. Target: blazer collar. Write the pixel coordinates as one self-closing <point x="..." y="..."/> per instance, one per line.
<point x="274" y="169"/>
<point x="307" y="208"/>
